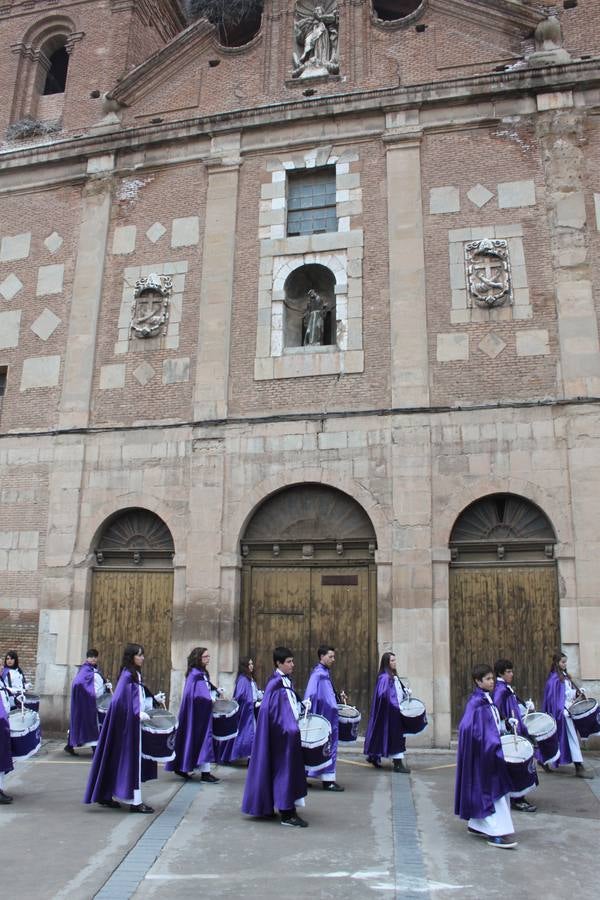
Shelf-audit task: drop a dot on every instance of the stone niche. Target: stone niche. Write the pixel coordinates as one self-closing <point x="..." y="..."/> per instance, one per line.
<point x="295" y="320"/>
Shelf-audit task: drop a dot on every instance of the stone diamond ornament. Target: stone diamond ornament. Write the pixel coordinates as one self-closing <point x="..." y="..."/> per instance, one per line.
<point x="155" y="232"/>
<point x="144" y="373"/>
<point x="492" y="345"/>
<point x="10" y="287"/>
<point x="479" y="195"/>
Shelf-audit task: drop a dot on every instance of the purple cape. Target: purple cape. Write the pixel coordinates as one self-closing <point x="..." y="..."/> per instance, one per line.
<point x="554" y="704"/>
<point x="116" y="762"/>
<point x="194" y="738"/>
<point x="320" y="692"/>
<point x="507" y="704"/>
<point x="384" y="732"/>
<point x="83" y="728"/>
<point x="241" y="746"/>
<point x="6" y="762"/>
<point x="276" y="776"/>
<point x="481" y="773"/>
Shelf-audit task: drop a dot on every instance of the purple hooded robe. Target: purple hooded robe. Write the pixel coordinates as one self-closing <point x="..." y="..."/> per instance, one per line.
<point x="276" y="776"/>
<point x="115" y="770"/>
<point x="239" y="747"/>
<point x="507" y="704"/>
<point x="320" y="692"/>
<point x="6" y="761"/>
<point x="384" y="732"/>
<point x="83" y="727"/>
<point x="194" y="738"/>
<point x="481" y="772"/>
<point x="554" y="704"/>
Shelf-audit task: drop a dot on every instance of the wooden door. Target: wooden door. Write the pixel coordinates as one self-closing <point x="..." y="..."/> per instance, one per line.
<point x="129" y="606"/>
<point x="510" y="612"/>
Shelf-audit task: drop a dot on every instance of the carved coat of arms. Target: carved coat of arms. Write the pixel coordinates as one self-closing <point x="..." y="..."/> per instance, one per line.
<point x="150" y="308"/>
<point x="488" y="272"/>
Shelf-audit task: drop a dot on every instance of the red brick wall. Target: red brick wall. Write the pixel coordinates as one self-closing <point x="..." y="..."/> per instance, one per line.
<point x="19" y="631"/>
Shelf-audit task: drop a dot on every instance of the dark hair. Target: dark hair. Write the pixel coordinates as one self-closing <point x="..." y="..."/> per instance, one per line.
<point x="243" y="667"/>
<point x="194" y="660"/>
<point x="501" y="666"/>
<point x="324" y="650"/>
<point x="280" y="654"/>
<point x="384" y="665"/>
<point x="479" y="671"/>
<point x="129" y="652"/>
<point x="12" y="654"/>
<point x="556" y="658"/>
<point x="92" y="652"/>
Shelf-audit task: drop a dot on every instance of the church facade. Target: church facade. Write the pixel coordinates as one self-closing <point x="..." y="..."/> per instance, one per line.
<point x="299" y="339"/>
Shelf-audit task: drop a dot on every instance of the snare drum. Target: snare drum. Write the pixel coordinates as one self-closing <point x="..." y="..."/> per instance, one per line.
<point x="102" y="704"/>
<point x="349" y="720"/>
<point x="413" y="715"/>
<point x="31" y="701"/>
<point x="520" y="761"/>
<point x="315" y="736"/>
<point x="25" y="733"/>
<point x="586" y="717"/>
<point x="542" y="728"/>
<point x="158" y="736"/>
<point x="226" y="719"/>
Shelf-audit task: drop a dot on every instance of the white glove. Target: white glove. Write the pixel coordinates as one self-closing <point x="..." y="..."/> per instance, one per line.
<point x="27" y="686"/>
<point x="260" y="695"/>
<point x="530" y="706"/>
<point x="107" y="686"/>
<point x="513" y="722"/>
<point x="307" y="704"/>
<point x="144" y="717"/>
<point x="161" y="696"/>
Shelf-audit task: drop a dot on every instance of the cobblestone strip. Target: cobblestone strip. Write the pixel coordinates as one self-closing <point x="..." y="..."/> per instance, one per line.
<point x="127" y="877"/>
<point x="409" y="865"/>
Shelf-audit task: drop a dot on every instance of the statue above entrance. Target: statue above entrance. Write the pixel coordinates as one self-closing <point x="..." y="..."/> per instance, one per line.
<point x="316" y="38"/>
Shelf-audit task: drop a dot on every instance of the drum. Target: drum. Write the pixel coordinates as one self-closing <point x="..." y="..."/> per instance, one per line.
<point x="315" y="736"/>
<point x="413" y="715"/>
<point x="586" y="717"/>
<point x="25" y="733"/>
<point x="30" y="701"/>
<point x="158" y="736"/>
<point x="520" y="761"/>
<point x="102" y="704"/>
<point x="226" y="719"/>
<point x="349" y="720"/>
<point x="542" y="728"/>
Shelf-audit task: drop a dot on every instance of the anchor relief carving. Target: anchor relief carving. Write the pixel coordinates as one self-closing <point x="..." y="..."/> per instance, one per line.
<point x="150" y="308"/>
<point x="488" y="272"/>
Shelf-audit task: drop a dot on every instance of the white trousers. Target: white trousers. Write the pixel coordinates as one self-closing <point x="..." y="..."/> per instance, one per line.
<point x="397" y="756"/>
<point x="573" y="740"/>
<point x="498" y="823"/>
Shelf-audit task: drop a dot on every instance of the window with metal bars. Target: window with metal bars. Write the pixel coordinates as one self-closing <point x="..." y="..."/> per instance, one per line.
<point x="311" y="202"/>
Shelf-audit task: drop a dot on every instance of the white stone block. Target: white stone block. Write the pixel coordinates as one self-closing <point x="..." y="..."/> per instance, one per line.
<point x="53" y="242"/>
<point x="597" y="206"/>
<point x="570" y="210"/>
<point x="112" y="377"/>
<point x="479" y="195"/>
<point x="185" y="232"/>
<point x="176" y="370"/>
<point x="15" y="246"/>
<point x="40" y="371"/>
<point x="515" y="194"/>
<point x="10" y="287"/>
<point x="10" y="324"/>
<point x="124" y="240"/>
<point x="533" y="342"/>
<point x="50" y="280"/>
<point x="144" y="373"/>
<point x="155" y="232"/>
<point x="444" y="200"/>
<point x="453" y="346"/>
<point x="46" y="324"/>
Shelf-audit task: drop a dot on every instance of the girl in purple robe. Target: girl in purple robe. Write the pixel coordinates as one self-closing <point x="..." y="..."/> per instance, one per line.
<point x="508" y="705"/>
<point x="248" y="696"/>
<point x="87" y="688"/>
<point x="194" y="737"/>
<point x="385" y="736"/>
<point x="14" y="677"/>
<point x="560" y="692"/>
<point x="483" y="783"/>
<point x="6" y="762"/>
<point x="323" y="700"/>
<point x="118" y="770"/>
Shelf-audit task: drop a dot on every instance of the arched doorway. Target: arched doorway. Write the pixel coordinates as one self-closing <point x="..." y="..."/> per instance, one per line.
<point x="503" y="594"/>
<point x="309" y="578"/>
<point x="132" y="594"/>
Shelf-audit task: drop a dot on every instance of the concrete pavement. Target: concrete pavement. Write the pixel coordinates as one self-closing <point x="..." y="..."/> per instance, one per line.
<point x="387" y="835"/>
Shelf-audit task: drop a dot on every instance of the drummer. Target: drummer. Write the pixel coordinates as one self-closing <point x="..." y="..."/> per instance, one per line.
<point x="324" y="701"/>
<point x="482" y="780"/>
<point x="248" y="697"/>
<point x="88" y="686"/>
<point x="276" y="778"/>
<point x="118" y="769"/>
<point x="560" y="692"/>
<point x="194" y="737"/>
<point x="14" y="677"/>
<point x="508" y="704"/>
<point x="6" y="761"/>
<point x="385" y="735"/>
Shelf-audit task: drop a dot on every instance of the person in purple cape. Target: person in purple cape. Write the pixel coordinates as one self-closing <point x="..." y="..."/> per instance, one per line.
<point x="483" y="783"/>
<point x="6" y="761"/>
<point x="248" y="697"/>
<point x="276" y="778"/>
<point x="507" y="703"/>
<point x="385" y="736"/>
<point x="323" y="699"/>
<point x="88" y="686"/>
<point x="194" y="737"/>
<point x="560" y="692"/>
<point x="118" y="770"/>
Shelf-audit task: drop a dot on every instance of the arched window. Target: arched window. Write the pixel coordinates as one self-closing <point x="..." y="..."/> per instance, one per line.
<point x="56" y="78"/>
<point x="395" y="10"/>
<point x="310" y="313"/>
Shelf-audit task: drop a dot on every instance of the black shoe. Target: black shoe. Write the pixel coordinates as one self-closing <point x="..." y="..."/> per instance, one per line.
<point x="294" y="822"/>
<point x="582" y="772"/>
<point x="110" y="804"/>
<point x="475" y="832"/>
<point x="208" y="778"/>
<point x="400" y="766"/>
<point x="141" y="808"/>
<point x="68" y="749"/>
<point x="502" y="841"/>
<point x="5" y="798"/>
<point x="374" y="761"/>
<point x="332" y="786"/>
<point x="523" y="805"/>
<point x="184" y="775"/>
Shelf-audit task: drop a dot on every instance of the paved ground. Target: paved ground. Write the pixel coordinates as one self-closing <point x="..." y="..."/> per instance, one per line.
<point x="387" y="835"/>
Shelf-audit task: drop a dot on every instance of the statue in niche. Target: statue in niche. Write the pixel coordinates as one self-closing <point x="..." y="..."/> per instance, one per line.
<point x="150" y="308"/>
<point x="314" y="319"/>
<point x="488" y="272"/>
<point x="316" y="34"/>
